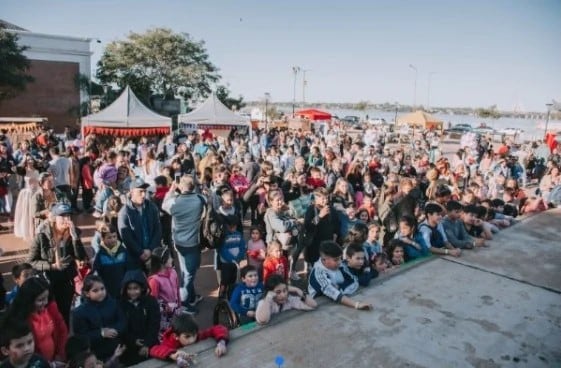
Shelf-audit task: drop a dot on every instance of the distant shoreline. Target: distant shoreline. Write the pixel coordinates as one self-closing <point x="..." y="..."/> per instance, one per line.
<point x="391" y="108"/>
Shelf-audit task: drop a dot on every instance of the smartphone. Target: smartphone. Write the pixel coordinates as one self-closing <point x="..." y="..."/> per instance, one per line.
<point x="177" y="177"/>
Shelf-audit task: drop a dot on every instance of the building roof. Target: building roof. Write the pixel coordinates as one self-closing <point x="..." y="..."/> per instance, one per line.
<point x="8" y="25"/>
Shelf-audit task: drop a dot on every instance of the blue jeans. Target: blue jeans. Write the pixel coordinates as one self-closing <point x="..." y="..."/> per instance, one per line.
<point x="189" y="262"/>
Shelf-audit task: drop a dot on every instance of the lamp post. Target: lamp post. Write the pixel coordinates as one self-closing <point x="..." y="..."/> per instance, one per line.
<point x="548" y="105"/>
<point x="414" y="86"/>
<point x="267" y="97"/>
<point x="428" y="91"/>
<point x="396" y="108"/>
<point x="295" y="69"/>
<point x="304" y="84"/>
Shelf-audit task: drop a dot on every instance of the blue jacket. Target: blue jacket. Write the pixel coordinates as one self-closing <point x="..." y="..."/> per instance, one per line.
<point x="90" y="317"/>
<point x="362" y="276"/>
<point x="111" y="269"/>
<point x="139" y="232"/>
<point x="233" y="248"/>
<point x="244" y="299"/>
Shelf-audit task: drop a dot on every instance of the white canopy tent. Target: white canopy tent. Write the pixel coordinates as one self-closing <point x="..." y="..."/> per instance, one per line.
<point x="212" y="115"/>
<point x="126" y="116"/>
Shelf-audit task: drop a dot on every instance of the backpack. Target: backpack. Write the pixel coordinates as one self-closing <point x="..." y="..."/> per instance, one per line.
<point x="212" y="228"/>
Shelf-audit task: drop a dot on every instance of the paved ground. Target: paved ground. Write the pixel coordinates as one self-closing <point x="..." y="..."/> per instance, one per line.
<point x="497" y="307"/>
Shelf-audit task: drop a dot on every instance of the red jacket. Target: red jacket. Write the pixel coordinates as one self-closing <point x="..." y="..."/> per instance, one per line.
<point x="275" y="266"/>
<point x="170" y="343"/>
<point x="49" y="332"/>
<point x="315" y="183"/>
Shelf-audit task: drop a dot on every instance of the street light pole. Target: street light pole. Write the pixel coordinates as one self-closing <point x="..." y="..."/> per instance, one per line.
<point x="267" y="96"/>
<point x="304" y="84"/>
<point x="295" y="69"/>
<point x="547" y="119"/>
<point x="414" y="86"/>
<point x="428" y="90"/>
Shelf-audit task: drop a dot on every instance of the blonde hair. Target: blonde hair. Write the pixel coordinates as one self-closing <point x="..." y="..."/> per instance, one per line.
<point x="272" y="245"/>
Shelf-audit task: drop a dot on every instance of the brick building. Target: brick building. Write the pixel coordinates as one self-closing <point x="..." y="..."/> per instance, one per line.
<point x="56" y="61"/>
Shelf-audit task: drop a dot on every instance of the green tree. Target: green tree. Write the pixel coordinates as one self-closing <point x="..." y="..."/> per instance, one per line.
<point x="158" y="61"/>
<point x="13" y="66"/>
<point x="490" y="112"/>
<point x="361" y="105"/>
<point x="223" y="94"/>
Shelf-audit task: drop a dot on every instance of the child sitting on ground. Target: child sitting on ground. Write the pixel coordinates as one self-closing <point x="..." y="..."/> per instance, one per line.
<point x="329" y="279"/>
<point x="15" y="335"/>
<point x="185" y="331"/>
<point x="275" y="263"/>
<point x="20" y="273"/>
<point x="281" y="297"/>
<point x="246" y="294"/>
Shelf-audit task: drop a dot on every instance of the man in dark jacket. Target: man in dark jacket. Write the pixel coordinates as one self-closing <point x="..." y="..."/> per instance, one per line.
<point x="139" y="225"/>
<point x="321" y="223"/>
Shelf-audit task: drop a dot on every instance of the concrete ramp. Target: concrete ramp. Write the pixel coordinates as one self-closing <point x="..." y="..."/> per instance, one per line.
<point x="497" y="307"/>
<point x="529" y="252"/>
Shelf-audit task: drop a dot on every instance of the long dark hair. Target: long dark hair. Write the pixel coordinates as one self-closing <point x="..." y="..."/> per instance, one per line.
<point x="24" y="302"/>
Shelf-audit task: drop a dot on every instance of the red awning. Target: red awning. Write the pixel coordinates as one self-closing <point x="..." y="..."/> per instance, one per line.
<point x="313" y="114"/>
<point x="126" y="132"/>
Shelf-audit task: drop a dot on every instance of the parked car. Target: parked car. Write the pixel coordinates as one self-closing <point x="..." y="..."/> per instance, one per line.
<point x="458" y="129"/>
<point x="484" y="130"/>
<point x="349" y="119"/>
<point x="511" y="131"/>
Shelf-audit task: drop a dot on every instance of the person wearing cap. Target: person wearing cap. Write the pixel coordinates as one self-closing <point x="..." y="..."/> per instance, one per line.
<point x="139" y="224"/>
<point x="54" y="250"/>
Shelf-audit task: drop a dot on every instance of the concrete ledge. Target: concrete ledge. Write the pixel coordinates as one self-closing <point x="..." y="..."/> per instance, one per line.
<point x="250" y="328"/>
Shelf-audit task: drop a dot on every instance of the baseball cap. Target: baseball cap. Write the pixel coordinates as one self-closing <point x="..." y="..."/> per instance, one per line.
<point x="138" y="183"/>
<point x="61" y="209"/>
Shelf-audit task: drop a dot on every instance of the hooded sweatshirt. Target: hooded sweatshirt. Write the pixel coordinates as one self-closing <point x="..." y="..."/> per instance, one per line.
<point x="142" y="317"/>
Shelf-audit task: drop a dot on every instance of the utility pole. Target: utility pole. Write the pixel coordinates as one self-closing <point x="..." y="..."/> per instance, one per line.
<point x="548" y="105"/>
<point x="304" y="85"/>
<point x="295" y="69"/>
<point x="414" y="86"/>
<point x="267" y="97"/>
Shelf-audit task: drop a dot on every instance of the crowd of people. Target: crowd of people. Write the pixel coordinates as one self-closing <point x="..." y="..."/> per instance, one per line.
<point x="352" y="208"/>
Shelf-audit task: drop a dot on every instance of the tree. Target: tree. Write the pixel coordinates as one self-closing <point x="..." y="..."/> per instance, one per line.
<point x="159" y="61"/>
<point x="13" y="66"/>
<point x="361" y="106"/>
<point x="490" y="112"/>
<point x="223" y="95"/>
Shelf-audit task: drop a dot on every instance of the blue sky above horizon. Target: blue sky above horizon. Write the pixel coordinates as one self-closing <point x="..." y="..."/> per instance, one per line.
<point x="479" y="53"/>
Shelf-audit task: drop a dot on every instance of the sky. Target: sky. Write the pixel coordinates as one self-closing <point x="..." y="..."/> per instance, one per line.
<point x="475" y="53"/>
